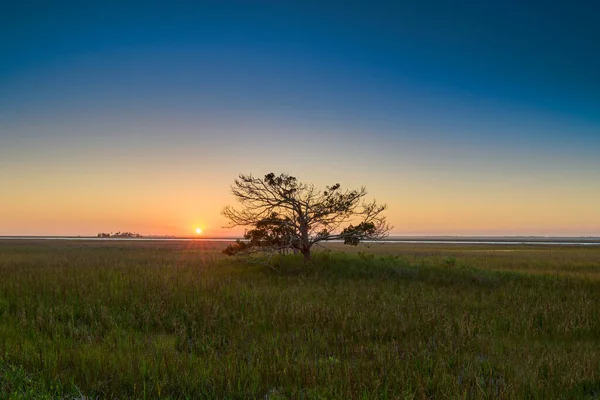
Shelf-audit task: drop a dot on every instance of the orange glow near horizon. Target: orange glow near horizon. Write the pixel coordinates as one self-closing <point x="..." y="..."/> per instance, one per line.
<point x="169" y="200"/>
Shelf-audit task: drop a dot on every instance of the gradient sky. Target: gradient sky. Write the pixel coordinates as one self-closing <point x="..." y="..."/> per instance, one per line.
<point x="466" y="117"/>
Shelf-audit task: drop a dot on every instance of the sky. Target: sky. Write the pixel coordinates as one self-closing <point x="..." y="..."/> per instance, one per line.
<point x="466" y="117"/>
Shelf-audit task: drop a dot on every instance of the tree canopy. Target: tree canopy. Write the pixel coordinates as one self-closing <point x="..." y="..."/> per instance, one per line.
<point x="282" y="214"/>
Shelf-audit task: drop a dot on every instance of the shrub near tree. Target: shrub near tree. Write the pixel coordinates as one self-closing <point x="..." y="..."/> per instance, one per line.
<point x="281" y="214"/>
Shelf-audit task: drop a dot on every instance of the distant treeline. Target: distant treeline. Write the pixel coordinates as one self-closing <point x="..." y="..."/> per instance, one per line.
<point x="119" y="235"/>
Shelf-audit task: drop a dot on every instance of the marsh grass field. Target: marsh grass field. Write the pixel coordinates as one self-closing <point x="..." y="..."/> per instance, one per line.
<point x="103" y="319"/>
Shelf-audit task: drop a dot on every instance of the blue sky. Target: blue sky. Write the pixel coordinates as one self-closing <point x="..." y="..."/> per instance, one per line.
<point x="468" y="97"/>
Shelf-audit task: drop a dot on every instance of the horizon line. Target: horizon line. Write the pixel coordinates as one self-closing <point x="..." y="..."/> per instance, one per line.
<point x="390" y="237"/>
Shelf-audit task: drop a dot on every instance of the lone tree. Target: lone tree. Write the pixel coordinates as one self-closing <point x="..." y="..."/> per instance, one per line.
<point x="282" y="214"/>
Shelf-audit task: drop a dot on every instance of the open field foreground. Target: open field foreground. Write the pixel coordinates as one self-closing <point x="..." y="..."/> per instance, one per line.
<point x="179" y="320"/>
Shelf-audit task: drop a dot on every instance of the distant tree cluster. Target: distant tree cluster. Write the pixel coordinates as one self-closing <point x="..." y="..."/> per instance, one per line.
<point x="282" y="214"/>
<point x="120" y="235"/>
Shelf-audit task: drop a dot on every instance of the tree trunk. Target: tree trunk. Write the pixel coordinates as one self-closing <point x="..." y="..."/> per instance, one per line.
<point x="306" y="254"/>
<point x="305" y="241"/>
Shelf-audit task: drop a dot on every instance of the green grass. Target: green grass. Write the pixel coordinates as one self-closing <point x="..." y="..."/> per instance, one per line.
<point x="179" y="320"/>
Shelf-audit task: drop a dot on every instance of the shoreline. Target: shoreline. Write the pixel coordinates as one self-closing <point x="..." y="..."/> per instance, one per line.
<point x="509" y="240"/>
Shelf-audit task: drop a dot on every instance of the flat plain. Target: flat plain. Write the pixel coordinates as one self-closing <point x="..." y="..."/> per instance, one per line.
<point x="107" y="319"/>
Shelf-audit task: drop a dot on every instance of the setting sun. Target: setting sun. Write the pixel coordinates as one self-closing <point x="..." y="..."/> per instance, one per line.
<point x="198" y="231"/>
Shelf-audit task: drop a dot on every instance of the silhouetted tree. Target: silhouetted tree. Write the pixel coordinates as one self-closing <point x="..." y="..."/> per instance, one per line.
<point x="283" y="214"/>
<point x="120" y="235"/>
